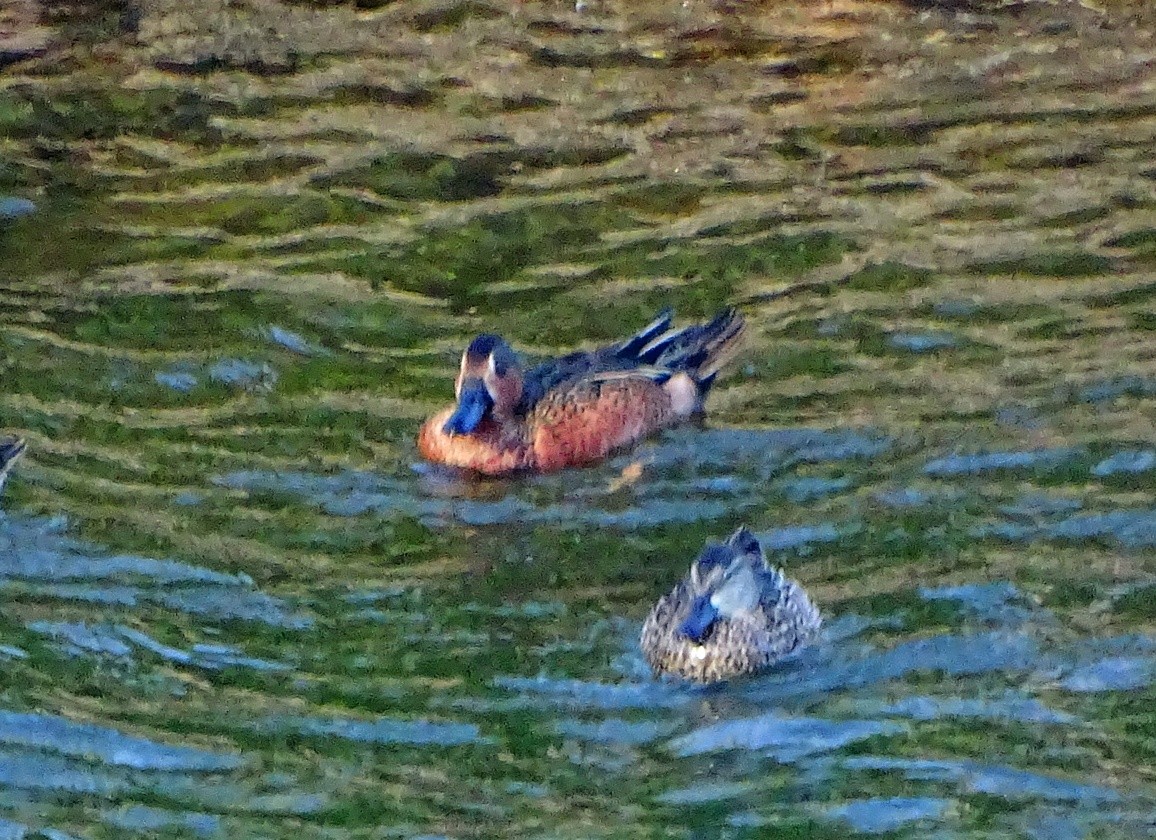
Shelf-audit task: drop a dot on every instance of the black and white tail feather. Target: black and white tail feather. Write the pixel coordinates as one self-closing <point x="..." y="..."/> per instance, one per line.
<point x="10" y="451"/>
<point x="699" y="350"/>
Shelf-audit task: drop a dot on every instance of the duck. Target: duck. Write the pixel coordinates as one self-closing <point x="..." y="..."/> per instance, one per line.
<point x="11" y="448"/>
<point x="576" y="409"/>
<point x="732" y="615"/>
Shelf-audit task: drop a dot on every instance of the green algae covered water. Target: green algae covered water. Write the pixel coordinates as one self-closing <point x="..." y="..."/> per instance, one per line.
<point x="241" y="248"/>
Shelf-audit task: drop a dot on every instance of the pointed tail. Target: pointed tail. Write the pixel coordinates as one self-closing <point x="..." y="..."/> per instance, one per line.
<point x="632" y="347"/>
<point x="10" y="451"/>
<point x="700" y="349"/>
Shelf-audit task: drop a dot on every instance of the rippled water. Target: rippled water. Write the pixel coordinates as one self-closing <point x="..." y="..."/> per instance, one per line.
<point x="235" y="603"/>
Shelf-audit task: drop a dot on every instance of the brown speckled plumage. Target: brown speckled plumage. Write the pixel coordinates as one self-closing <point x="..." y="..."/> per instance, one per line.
<point x="780" y="618"/>
<point x="577" y="409"/>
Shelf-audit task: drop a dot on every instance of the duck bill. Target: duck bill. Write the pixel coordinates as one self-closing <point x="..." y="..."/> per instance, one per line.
<point x="703" y="615"/>
<point x="474" y="403"/>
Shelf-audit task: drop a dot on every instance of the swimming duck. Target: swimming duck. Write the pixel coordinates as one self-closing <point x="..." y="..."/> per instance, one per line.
<point x="11" y="448"/>
<point x="733" y="614"/>
<point x="576" y="409"/>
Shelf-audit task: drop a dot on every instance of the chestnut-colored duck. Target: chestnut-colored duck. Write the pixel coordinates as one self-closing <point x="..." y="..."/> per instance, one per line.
<point x="578" y="408"/>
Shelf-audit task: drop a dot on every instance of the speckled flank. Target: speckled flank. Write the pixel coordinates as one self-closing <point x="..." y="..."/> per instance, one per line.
<point x="735" y="647"/>
<point x="583" y="424"/>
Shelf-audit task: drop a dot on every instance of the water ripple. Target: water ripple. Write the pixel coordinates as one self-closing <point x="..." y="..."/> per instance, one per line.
<point x="957" y="465"/>
<point x="855" y="667"/>
<point x="1010" y="708"/>
<point x="614" y="730"/>
<point x="997" y="602"/>
<point x="108" y="745"/>
<point x="22" y="771"/>
<point x="147" y="818"/>
<point x="877" y="816"/>
<point x="1007" y="782"/>
<point x="923" y="342"/>
<point x="380" y="731"/>
<point x="651" y="502"/>
<point x="38" y="549"/>
<point x="1131" y="528"/>
<point x="1118" y="673"/>
<point x="81" y="639"/>
<point x="42" y="555"/>
<point x="1128" y="461"/>
<point x="787" y="739"/>
<point x="705" y="792"/>
<point x="593" y="695"/>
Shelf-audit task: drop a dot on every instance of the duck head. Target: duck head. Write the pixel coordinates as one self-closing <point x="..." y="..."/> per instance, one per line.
<point x="489" y="384"/>
<point x="725" y="583"/>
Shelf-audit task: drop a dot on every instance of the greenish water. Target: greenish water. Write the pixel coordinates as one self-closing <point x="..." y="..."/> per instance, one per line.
<point x="236" y="604"/>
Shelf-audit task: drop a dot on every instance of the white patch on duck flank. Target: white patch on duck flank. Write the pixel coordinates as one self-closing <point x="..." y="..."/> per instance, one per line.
<point x="683" y="393"/>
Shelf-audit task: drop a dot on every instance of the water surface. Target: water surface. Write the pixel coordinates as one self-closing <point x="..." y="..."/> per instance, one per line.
<point x="240" y="250"/>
